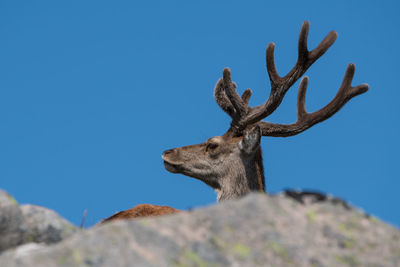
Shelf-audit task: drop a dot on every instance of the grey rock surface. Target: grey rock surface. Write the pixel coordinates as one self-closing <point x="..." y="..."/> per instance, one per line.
<point x="13" y="231"/>
<point x="28" y="223"/>
<point x="45" y="226"/>
<point x="257" y="230"/>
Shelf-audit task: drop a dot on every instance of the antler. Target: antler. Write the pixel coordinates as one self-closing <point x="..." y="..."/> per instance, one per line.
<point x="242" y="115"/>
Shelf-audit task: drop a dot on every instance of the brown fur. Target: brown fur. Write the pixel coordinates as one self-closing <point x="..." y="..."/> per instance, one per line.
<point x="142" y="210"/>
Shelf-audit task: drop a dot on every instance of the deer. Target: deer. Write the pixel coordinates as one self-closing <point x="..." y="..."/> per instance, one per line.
<point x="232" y="163"/>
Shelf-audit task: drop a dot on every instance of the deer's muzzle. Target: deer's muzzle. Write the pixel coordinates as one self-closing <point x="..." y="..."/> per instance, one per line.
<point x="170" y="160"/>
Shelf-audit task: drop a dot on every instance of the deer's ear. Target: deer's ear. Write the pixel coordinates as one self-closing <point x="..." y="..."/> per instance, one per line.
<point x="251" y="140"/>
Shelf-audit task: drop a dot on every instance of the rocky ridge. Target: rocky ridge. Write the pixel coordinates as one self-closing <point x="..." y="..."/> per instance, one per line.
<point x="289" y="229"/>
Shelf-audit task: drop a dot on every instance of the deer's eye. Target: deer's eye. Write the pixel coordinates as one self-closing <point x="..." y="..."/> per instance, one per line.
<point x="211" y="146"/>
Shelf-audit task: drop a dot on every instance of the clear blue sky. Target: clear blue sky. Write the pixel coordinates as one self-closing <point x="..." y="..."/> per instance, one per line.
<point x="92" y="92"/>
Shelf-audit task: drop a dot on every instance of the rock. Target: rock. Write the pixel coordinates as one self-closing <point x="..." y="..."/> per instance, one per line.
<point x="13" y="231"/>
<point x="27" y="223"/>
<point x="257" y="230"/>
<point x="45" y="226"/>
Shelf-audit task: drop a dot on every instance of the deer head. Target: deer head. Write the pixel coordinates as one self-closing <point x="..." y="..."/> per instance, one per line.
<point x="232" y="163"/>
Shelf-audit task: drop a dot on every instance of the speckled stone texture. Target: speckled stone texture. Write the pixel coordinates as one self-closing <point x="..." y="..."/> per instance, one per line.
<point x="28" y="223"/>
<point x="257" y="230"/>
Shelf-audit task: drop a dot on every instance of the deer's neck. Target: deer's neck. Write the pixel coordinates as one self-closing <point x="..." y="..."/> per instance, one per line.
<point x="244" y="179"/>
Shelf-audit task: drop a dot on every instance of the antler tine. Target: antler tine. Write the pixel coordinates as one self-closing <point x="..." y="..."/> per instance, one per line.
<point x="221" y="98"/>
<point x="301" y="99"/>
<point x="230" y="90"/>
<point x="246" y="96"/>
<point x="271" y="69"/>
<point x="306" y="120"/>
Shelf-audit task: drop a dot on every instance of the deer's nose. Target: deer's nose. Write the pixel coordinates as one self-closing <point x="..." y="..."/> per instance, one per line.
<point x="169" y="151"/>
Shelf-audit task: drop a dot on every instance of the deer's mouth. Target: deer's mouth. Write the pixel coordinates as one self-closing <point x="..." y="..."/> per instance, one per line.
<point x="170" y="162"/>
<point x="171" y="167"/>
